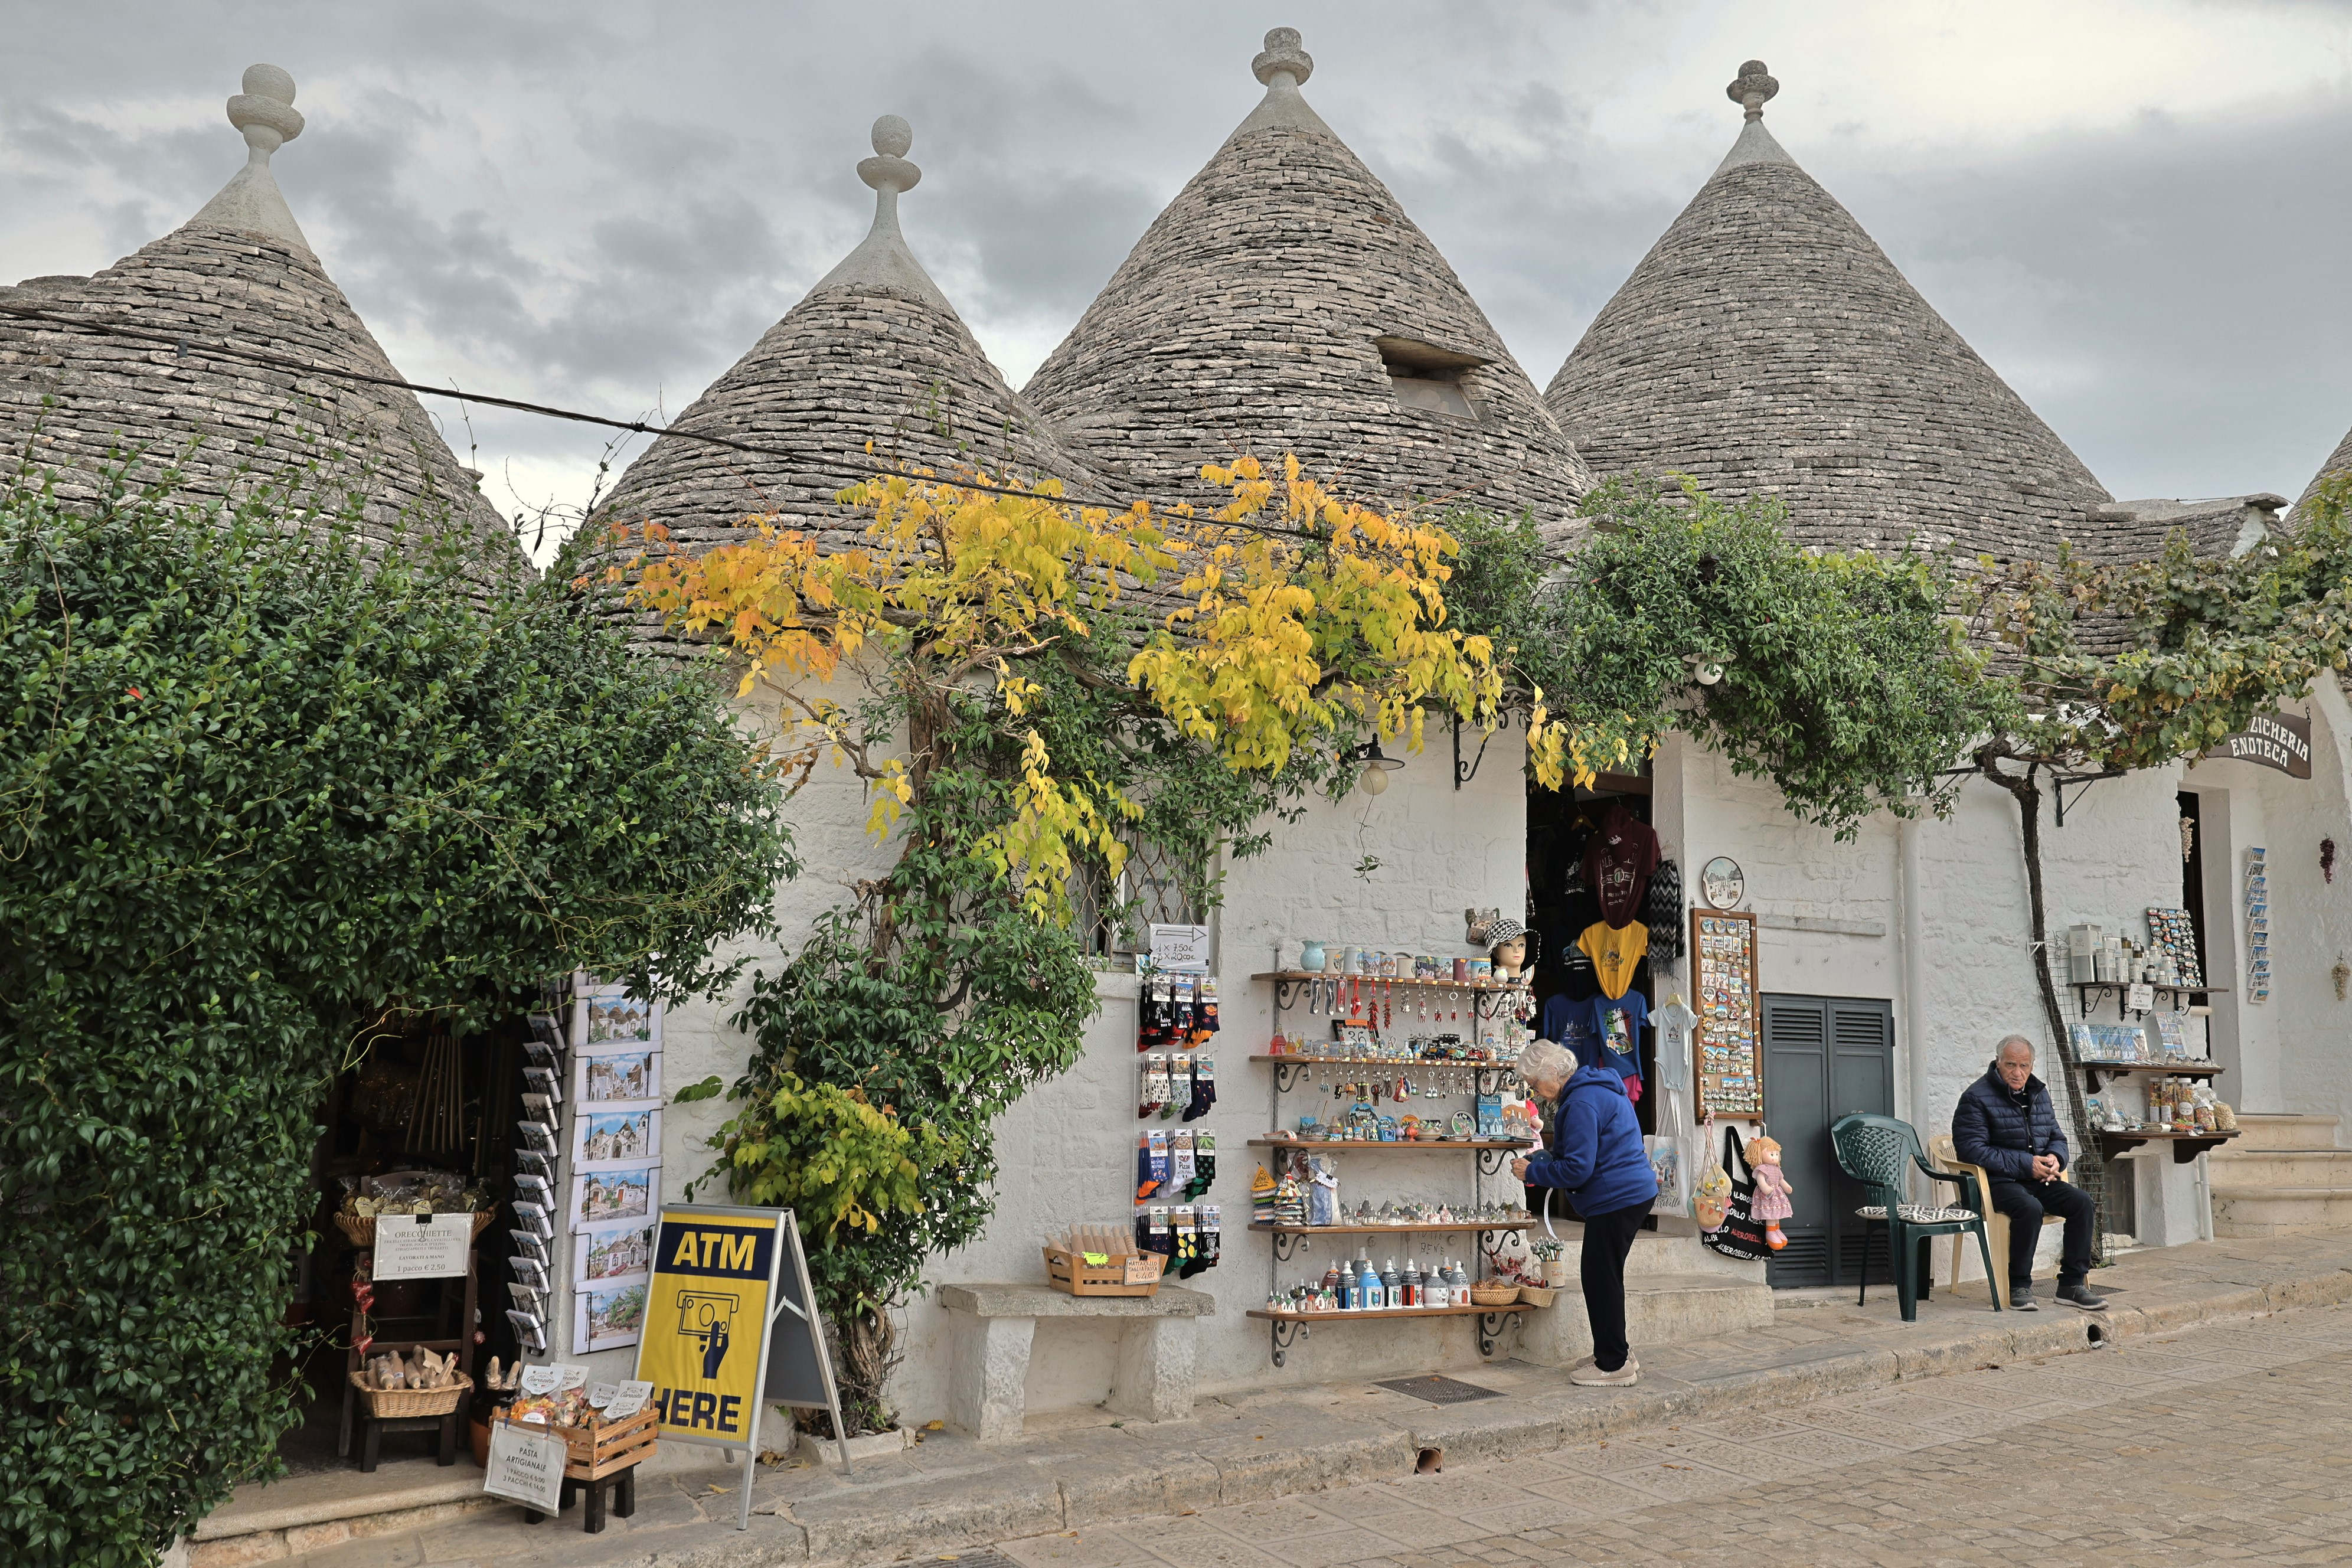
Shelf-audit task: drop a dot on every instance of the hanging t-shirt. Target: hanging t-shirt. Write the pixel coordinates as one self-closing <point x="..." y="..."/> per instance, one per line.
<point x="1615" y="951"/>
<point x="1568" y="1021"/>
<point x="1616" y="1025"/>
<point x="1618" y="863"/>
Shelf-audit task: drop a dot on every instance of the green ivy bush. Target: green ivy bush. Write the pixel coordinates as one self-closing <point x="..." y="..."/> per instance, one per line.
<point x="1845" y="679"/>
<point x="257" y="786"/>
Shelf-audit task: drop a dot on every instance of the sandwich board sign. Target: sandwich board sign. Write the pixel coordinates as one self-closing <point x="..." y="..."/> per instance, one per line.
<point x="730" y="1326"/>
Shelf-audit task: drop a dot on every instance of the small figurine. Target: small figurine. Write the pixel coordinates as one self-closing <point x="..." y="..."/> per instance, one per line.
<point x="1772" y="1189"/>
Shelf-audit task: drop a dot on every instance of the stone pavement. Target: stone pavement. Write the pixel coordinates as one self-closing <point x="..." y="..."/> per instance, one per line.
<point x="1305" y="1477"/>
<point x="2217" y="1443"/>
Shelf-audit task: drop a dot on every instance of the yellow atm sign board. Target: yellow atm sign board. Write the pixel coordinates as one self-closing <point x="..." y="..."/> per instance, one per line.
<point x="707" y="1314"/>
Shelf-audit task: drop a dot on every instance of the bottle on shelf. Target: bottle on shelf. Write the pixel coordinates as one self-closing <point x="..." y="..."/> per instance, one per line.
<point x="1391" y="1285"/>
<point x="1368" y="1290"/>
<point x="1412" y="1284"/>
<point x="1434" y="1291"/>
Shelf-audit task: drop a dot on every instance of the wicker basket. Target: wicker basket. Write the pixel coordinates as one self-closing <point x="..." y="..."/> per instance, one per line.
<point x="361" y="1228"/>
<point x="390" y="1404"/>
<point x="1069" y="1272"/>
<point x="1489" y="1293"/>
<point x="1539" y="1295"/>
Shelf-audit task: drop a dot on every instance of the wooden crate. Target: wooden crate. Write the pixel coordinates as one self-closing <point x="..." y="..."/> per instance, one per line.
<point x="1069" y="1272"/>
<point x="595" y="1452"/>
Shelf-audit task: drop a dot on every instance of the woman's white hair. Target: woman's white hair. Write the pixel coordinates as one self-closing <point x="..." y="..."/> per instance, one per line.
<point x="1546" y="1061"/>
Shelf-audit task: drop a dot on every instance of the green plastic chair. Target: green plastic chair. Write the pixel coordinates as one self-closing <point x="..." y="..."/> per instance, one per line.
<point x="1878" y="1152"/>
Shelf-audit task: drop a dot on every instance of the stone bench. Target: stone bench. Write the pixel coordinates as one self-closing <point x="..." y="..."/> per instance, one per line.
<point x="988" y="1371"/>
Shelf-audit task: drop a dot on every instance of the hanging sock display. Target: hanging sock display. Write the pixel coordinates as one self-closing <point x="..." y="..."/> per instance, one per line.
<point x="1152" y="1165"/>
<point x="1204" y="1165"/>
<point x="1205" y="1015"/>
<point x="1203" y="1087"/>
<point x="1208" y="1242"/>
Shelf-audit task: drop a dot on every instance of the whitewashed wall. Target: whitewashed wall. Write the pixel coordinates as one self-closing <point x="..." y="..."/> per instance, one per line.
<point x="2293" y="1053"/>
<point x="1930" y="916"/>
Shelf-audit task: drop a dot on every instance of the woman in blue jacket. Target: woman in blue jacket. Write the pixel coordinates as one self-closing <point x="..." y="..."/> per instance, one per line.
<point x="1597" y="1161"/>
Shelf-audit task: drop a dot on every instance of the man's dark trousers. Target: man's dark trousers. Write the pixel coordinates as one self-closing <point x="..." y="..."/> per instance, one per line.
<point x="2024" y="1203"/>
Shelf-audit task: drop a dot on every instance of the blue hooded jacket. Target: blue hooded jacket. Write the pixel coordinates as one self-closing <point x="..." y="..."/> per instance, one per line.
<point x="1596" y="1156"/>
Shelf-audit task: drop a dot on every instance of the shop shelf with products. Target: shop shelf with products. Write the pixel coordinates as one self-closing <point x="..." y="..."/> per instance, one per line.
<point x="2185" y="1146"/>
<point x="2092" y="995"/>
<point x="1396" y="1039"/>
<point x="2093" y="1071"/>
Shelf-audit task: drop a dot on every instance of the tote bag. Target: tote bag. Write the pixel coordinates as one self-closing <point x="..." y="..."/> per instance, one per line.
<point x="1742" y="1236"/>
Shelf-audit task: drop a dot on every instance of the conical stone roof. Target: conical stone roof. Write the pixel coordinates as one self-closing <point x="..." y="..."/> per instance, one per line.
<point x="874" y="353"/>
<point x="239" y="275"/>
<point x="2338" y="461"/>
<point x="1272" y="306"/>
<point x="1766" y="345"/>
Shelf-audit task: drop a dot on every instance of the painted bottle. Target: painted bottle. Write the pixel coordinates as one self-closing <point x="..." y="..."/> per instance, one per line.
<point x="1413" y="1285"/>
<point x="1391" y="1285"/>
<point x="1368" y="1290"/>
<point x="1434" y="1290"/>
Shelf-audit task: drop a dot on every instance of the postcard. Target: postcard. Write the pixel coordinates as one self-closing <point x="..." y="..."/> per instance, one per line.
<point x="625" y="1193"/>
<point x="606" y="1140"/>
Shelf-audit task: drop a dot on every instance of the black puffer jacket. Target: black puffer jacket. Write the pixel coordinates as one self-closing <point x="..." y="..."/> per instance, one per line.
<point x="1989" y="1128"/>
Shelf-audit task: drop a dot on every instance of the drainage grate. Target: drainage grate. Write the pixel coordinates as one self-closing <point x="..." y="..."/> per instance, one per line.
<point x="1440" y="1389"/>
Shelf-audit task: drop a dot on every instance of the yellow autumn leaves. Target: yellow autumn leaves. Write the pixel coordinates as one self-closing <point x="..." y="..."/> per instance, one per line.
<point x="1286" y="617"/>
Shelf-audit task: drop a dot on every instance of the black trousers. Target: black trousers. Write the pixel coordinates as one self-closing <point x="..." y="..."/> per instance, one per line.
<point x="1608" y="1240"/>
<point x="2025" y="1203"/>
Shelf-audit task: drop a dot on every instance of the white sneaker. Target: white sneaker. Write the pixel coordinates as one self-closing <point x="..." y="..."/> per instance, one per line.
<point x="1588" y="1364"/>
<point x="1589" y="1375"/>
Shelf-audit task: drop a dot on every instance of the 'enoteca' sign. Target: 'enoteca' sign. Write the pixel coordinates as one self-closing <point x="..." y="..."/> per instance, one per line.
<point x="2281" y="740"/>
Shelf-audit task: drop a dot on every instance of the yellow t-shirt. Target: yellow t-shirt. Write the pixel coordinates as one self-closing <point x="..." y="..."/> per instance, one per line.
<point x="1615" y="951"/>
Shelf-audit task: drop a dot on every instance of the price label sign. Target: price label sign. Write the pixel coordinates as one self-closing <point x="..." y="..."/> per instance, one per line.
<point x="526" y="1466"/>
<point x="1179" y="949"/>
<point x="541" y="1380"/>
<point x="422" y="1245"/>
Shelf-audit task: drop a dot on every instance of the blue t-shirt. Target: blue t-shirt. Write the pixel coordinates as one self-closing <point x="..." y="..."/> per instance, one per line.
<point x="1615" y="1026"/>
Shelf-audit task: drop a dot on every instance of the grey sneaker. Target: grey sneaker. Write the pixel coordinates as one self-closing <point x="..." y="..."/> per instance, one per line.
<point x="2082" y="1295"/>
<point x="1589" y="1375"/>
<point x="2021" y="1299"/>
<point x="1588" y="1364"/>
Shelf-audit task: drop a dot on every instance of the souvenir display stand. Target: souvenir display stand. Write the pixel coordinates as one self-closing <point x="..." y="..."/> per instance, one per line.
<point x="1727" y="1040"/>
<point x="1351" y="1067"/>
<point x="601" y="1465"/>
<point x="2178" y="1109"/>
<point x="450" y="1329"/>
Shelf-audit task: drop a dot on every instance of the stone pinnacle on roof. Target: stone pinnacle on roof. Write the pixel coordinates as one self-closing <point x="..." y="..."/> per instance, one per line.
<point x="238" y="276"/>
<point x="265" y="113"/>
<point x="1286" y="301"/>
<point x="1752" y="89"/>
<point x="883" y="258"/>
<point x="1767" y="346"/>
<point x="873" y="369"/>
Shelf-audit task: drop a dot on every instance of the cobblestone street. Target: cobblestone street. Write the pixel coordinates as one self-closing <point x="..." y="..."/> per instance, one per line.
<point x="2228" y="1443"/>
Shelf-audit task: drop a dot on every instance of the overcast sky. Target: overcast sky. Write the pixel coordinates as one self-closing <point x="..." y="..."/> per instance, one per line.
<point x="2139" y="214"/>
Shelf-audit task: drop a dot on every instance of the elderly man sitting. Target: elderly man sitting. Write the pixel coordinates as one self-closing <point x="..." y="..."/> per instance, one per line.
<point x="2004" y="1122"/>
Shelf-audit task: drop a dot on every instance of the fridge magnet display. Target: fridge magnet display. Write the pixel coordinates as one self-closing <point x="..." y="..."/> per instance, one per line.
<point x="612" y="1194"/>
<point x="604" y="1140"/>
<point x="613" y="1252"/>
<point x="1723" y="960"/>
<point x="617" y="1076"/>
<point x="606" y="1318"/>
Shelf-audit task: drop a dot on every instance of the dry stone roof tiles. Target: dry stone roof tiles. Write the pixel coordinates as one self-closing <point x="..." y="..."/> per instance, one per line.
<point x="1250" y="319"/>
<point x="1766" y="345"/>
<point x="2338" y="461"/>
<point x="874" y="354"/>
<point x="240" y="274"/>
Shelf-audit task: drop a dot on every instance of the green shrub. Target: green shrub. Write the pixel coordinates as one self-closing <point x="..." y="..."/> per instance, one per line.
<point x="257" y="786"/>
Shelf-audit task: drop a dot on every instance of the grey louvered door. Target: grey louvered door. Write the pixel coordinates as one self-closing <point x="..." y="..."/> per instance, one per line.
<point x="1824" y="1057"/>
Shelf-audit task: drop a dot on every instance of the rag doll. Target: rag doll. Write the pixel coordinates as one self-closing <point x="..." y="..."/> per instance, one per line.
<point x="1772" y="1189"/>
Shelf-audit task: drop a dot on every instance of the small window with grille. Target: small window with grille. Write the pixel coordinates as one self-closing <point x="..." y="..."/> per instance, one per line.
<point x="1157" y="886"/>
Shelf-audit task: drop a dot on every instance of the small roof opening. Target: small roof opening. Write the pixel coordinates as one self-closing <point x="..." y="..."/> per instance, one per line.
<point x="1428" y="377"/>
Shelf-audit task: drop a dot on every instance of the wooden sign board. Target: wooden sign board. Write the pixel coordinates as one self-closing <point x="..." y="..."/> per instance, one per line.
<point x="2279" y="741"/>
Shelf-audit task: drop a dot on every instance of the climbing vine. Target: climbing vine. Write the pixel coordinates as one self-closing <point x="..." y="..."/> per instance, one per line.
<point x="1842" y="677"/>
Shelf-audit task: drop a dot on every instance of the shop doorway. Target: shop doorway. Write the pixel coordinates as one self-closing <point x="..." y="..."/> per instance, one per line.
<point x="1561" y="823"/>
<point x="423" y="1113"/>
<point x="1824" y="1057"/>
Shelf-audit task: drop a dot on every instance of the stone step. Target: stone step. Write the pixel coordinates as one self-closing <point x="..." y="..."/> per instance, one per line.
<point x="2285" y="1132"/>
<point x="2256" y="1211"/>
<point x="1660" y="1309"/>
<point x="2283" y="1167"/>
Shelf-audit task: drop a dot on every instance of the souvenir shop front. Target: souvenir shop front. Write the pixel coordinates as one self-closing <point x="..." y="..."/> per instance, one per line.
<point x="482" y="1200"/>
